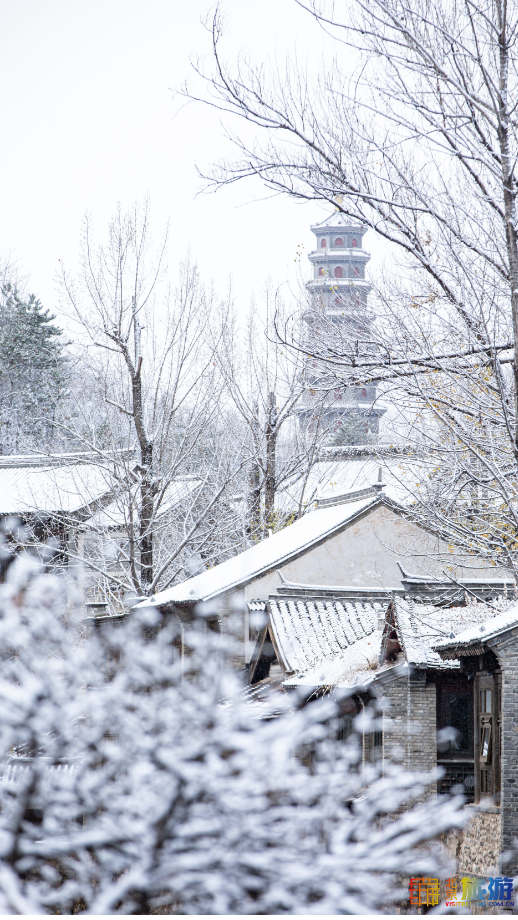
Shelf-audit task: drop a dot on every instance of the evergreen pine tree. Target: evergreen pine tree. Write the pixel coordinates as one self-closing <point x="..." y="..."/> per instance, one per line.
<point x="33" y="372"/>
<point x="353" y="430"/>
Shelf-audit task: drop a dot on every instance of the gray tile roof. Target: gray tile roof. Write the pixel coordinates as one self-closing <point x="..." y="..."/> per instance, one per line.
<point x="309" y="630"/>
<point x="473" y="638"/>
<point x="420" y="627"/>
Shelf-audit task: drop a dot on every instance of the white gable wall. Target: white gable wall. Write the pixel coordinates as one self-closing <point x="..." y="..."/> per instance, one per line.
<point x="364" y="554"/>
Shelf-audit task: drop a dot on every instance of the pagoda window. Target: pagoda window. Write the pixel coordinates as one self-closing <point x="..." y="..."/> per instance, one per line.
<point x="354" y="244"/>
<point x="356" y="270"/>
<point x="323" y="244"/>
<point x="364" y="392"/>
<point x="339" y="241"/>
<point x="339" y="272"/>
<point x="320" y="272"/>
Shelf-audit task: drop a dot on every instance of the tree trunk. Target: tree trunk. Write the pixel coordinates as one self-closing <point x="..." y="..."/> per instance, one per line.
<point x="254" y="498"/>
<point x="271" y="448"/>
<point x="509" y="190"/>
<point x="146" y="519"/>
<point x="147" y="486"/>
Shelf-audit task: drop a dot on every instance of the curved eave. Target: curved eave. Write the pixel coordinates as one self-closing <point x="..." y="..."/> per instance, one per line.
<point x="452" y="652"/>
<point x="338" y="221"/>
<point x="335" y="285"/>
<point x="339" y="255"/>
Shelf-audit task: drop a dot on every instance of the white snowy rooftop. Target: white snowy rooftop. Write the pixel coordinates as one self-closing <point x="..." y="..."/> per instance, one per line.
<point x="116" y="513"/>
<point x="310" y="530"/>
<point x="421" y="627"/>
<point x="480" y="632"/>
<point x="336" y="477"/>
<point x="50" y="486"/>
<point x="355" y="668"/>
<point x="307" y="634"/>
<point x="338" y="219"/>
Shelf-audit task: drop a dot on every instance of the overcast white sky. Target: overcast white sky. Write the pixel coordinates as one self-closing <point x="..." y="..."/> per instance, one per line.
<point x="88" y="120"/>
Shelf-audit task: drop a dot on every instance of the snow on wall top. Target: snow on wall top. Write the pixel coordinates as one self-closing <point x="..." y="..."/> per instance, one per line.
<point x="266" y="556"/>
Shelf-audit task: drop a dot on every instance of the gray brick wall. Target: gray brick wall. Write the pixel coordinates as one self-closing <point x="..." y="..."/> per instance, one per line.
<point x="508" y="654"/>
<point x="410" y="725"/>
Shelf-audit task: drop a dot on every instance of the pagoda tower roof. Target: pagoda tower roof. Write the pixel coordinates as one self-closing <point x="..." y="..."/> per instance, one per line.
<point x="338" y="221"/>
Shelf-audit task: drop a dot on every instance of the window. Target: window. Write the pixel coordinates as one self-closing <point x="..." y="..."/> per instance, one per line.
<point x="485" y="743"/>
<point x="323" y="244"/>
<point x="485" y="701"/>
<point x="320" y="272"/>
<point x="364" y="392"/>
<point x="339" y="241"/>
<point x="354" y="244"/>
<point x="455" y="710"/>
<point x="356" y="270"/>
<point x="339" y="272"/>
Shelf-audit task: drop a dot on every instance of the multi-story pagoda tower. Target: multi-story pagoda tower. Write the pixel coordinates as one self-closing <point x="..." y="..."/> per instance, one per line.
<point x="338" y="291"/>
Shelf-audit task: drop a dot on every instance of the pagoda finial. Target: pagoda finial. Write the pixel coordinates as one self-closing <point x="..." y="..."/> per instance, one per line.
<point x="339" y="201"/>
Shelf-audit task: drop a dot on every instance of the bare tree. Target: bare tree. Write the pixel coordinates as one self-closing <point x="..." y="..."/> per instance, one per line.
<point x="416" y="138"/>
<point x="149" y="406"/>
<point x="268" y="386"/>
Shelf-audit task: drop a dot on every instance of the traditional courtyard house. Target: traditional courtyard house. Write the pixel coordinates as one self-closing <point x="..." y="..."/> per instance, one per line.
<point x="104" y="541"/>
<point x="488" y="657"/>
<point x="52" y="496"/>
<point x="77" y="501"/>
<point x="362" y="540"/>
<point x="447" y="678"/>
<point x="341" y="470"/>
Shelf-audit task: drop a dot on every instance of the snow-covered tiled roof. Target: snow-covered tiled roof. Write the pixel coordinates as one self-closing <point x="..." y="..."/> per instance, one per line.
<point x="273" y="552"/>
<point x="338" y="219"/>
<point x="321" y="631"/>
<point x="420" y="627"/>
<point x="354" y="669"/>
<point x="329" y="478"/>
<point x="475" y="635"/>
<point x="51" y="488"/>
